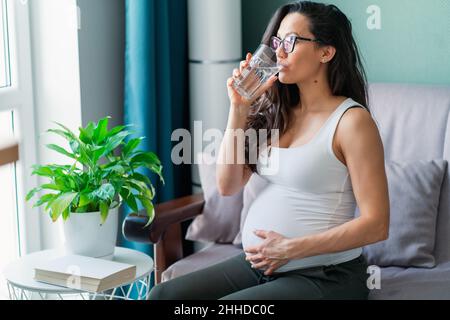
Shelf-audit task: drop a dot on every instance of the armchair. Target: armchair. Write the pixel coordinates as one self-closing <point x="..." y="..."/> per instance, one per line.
<point x="165" y="231"/>
<point x="415" y="126"/>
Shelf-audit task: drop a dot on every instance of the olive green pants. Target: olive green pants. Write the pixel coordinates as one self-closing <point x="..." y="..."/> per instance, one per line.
<point x="234" y="279"/>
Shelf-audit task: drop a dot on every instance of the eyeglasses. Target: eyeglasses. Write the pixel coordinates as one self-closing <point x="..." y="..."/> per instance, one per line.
<point x="288" y="43"/>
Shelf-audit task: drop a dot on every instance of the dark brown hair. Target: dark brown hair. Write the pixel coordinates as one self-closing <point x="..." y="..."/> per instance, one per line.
<point x="346" y="75"/>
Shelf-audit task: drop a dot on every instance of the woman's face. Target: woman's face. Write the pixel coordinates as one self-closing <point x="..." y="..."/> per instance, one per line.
<point x="306" y="61"/>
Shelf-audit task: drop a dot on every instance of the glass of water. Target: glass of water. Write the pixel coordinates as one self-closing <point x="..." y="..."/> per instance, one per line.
<point x="262" y="66"/>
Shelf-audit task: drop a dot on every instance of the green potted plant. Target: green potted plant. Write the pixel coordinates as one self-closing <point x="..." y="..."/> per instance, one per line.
<point x="88" y="193"/>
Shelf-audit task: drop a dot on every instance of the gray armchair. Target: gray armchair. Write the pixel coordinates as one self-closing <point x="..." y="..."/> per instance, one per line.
<point x="165" y="231"/>
<point x="414" y="125"/>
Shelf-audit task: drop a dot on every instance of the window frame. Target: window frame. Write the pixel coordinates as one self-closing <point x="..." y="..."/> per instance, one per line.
<point x="19" y="98"/>
<point x="5" y="38"/>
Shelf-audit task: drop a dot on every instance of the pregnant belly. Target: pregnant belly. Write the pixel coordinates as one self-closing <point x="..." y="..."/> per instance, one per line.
<point x="285" y="211"/>
<point x="290" y="213"/>
<point x="295" y="214"/>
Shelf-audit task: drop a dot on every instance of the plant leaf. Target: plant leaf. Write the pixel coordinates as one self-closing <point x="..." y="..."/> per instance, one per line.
<point x="115" y="141"/>
<point x="104" y="210"/>
<point x="50" y="186"/>
<point x="140" y="177"/>
<point x="75" y="146"/>
<point x="158" y="170"/>
<point x="143" y="189"/>
<point x="86" y="134"/>
<point x="140" y="187"/>
<point x="84" y="157"/>
<point x="130" y="199"/>
<point x="101" y="130"/>
<point x="44" y="199"/>
<point x="118" y="169"/>
<point x="84" y="200"/>
<point x="42" y="171"/>
<point x="147" y="158"/>
<point x="145" y="179"/>
<point x="150" y="161"/>
<point x="66" y="132"/>
<point x="61" y="150"/>
<point x="61" y="203"/>
<point x="66" y="214"/>
<point x="61" y="133"/>
<point x="115" y="204"/>
<point x="131" y="145"/>
<point x="66" y="182"/>
<point x="70" y="132"/>
<point x="32" y="193"/>
<point x="97" y="154"/>
<point x="116" y="130"/>
<point x="106" y="192"/>
<point x="149" y="208"/>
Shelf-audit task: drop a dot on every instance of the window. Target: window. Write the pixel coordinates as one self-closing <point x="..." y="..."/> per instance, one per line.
<point x="4" y="47"/>
<point x="9" y="233"/>
<point x="19" y="224"/>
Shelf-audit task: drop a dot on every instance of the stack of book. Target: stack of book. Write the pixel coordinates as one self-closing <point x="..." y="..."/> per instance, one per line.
<point x="85" y="273"/>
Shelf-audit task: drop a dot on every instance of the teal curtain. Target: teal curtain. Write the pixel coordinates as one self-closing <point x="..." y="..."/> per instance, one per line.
<point x="156" y="92"/>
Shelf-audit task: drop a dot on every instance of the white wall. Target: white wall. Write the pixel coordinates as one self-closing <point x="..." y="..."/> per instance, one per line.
<point x="77" y="73"/>
<point x="56" y="80"/>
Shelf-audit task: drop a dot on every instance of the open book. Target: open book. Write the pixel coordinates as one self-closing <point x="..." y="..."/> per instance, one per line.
<point x="85" y="273"/>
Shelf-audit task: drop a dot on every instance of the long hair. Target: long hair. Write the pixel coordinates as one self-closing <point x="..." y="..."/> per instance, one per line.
<point x="346" y="75"/>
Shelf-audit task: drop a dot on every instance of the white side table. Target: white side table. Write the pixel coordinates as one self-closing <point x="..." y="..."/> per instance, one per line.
<point x="22" y="286"/>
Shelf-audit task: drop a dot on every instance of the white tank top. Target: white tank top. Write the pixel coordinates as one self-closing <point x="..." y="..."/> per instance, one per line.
<point x="309" y="192"/>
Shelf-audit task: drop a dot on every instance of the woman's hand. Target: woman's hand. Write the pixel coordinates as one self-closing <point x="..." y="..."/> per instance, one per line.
<point x="271" y="254"/>
<point x="235" y="98"/>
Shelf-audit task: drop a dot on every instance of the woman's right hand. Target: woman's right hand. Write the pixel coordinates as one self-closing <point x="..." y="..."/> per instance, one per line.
<point x="235" y="98"/>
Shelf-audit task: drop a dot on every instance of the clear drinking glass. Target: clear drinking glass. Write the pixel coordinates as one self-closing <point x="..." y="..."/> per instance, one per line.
<point x="262" y="66"/>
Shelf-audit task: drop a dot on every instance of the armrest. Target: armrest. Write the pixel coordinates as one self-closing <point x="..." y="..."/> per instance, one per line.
<point x="9" y="152"/>
<point x="166" y="214"/>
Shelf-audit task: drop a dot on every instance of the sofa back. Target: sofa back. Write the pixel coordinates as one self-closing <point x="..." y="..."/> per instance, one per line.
<point x="413" y="121"/>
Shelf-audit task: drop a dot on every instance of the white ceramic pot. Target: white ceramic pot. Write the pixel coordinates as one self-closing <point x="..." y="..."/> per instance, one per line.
<point x="86" y="236"/>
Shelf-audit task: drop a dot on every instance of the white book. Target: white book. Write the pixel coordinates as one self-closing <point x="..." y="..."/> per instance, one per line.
<point x="85" y="273"/>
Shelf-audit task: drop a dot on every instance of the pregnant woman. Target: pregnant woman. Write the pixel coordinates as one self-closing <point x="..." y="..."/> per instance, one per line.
<point x="301" y="239"/>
